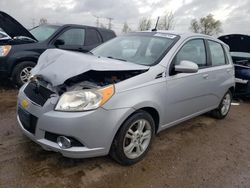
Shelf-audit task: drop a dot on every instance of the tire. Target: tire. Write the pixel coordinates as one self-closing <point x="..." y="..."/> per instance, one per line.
<point x="20" y="73"/>
<point x="219" y="113"/>
<point x="130" y="138"/>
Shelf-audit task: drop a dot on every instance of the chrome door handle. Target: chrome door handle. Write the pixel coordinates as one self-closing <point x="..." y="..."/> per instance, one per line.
<point x="205" y="76"/>
<point x="229" y="70"/>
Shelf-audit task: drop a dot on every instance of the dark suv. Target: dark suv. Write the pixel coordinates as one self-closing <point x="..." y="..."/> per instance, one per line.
<point x="20" y="52"/>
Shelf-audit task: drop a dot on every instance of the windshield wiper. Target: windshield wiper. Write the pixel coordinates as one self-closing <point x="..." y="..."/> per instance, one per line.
<point x="110" y="57"/>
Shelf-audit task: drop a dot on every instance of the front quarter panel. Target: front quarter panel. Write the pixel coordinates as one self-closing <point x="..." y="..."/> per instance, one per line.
<point x="141" y="91"/>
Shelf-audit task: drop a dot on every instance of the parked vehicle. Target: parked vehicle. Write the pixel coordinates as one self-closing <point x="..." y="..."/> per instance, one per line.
<point x="114" y="100"/>
<point x="240" y="52"/>
<point x="20" y="54"/>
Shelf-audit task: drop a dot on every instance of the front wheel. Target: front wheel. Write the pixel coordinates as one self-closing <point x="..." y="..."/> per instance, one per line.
<point x="21" y="73"/>
<point x="134" y="138"/>
<point x="224" y="107"/>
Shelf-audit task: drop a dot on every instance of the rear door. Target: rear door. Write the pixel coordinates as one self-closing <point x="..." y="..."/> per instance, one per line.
<point x="189" y="93"/>
<point x="221" y="71"/>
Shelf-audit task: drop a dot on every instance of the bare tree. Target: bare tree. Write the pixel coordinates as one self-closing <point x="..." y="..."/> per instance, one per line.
<point x="126" y="28"/>
<point x="167" y="21"/>
<point x="144" y="24"/>
<point x="206" y="25"/>
<point x="43" y="21"/>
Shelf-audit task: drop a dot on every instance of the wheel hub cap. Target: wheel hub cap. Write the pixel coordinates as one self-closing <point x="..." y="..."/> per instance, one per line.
<point x="25" y="74"/>
<point x="226" y="104"/>
<point x="137" y="139"/>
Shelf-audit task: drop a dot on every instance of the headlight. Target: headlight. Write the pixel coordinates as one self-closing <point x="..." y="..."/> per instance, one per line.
<point x="82" y="100"/>
<point x="4" y="50"/>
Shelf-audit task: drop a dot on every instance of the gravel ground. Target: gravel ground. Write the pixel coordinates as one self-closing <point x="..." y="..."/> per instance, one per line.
<point x="202" y="152"/>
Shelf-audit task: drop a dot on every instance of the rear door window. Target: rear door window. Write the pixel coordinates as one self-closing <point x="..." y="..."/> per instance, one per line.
<point x="92" y="37"/>
<point x="217" y="53"/>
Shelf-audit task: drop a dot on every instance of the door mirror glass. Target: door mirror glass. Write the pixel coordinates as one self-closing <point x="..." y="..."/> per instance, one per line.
<point x="186" y="67"/>
<point x="59" y="42"/>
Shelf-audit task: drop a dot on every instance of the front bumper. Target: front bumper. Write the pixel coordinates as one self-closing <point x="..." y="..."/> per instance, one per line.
<point x="3" y="68"/>
<point x="95" y="129"/>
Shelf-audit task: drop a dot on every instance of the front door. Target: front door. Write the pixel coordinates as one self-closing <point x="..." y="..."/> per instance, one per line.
<point x="73" y="39"/>
<point x="188" y="93"/>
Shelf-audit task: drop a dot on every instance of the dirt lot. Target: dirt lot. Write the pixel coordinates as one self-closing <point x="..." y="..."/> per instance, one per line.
<point x="202" y="152"/>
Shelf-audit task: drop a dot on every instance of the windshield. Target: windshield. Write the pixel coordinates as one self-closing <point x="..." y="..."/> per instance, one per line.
<point x="139" y="49"/>
<point x="43" y="32"/>
<point x="240" y="54"/>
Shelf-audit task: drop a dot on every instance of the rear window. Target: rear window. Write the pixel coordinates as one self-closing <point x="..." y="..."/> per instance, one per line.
<point x="107" y="35"/>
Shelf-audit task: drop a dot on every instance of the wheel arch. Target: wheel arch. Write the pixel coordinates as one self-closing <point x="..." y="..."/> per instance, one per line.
<point x="20" y="60"/>
<point x="232" y="89"/>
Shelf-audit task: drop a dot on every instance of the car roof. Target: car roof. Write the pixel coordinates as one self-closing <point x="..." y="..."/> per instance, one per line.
<point x="78" y="25"/>
<point x="183" y="35"/>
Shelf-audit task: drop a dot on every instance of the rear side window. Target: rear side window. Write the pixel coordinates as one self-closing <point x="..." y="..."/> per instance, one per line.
<point x="107" y="35"/>
<point x="193" y="50"/>
<point x="217" y="53"/>
<point x="73" y="37"/>
<point x="92" y="37"/>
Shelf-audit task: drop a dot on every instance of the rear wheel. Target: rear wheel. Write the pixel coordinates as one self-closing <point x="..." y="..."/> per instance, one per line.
<point x="224" y="107"/>
<point x="133" y="140"/>
<point x="21" y="73"/>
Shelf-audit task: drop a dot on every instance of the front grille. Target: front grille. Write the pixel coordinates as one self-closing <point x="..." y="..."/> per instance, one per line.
<point x="37" y="93"/>
<point x="53" y="138"/>
<point x="28" y="120"/>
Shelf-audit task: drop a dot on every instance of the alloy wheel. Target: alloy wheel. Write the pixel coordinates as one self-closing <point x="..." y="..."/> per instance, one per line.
<point x="25" y="74"/>
<point x="226" y="102"/>
<point x="137" y="139"/>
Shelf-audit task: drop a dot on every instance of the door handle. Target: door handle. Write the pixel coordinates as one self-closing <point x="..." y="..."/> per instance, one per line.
<point x="229" y="70"/>
<point x="205" y="76"/>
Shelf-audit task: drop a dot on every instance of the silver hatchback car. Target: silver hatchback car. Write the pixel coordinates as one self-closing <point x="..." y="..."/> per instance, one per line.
<point x="116" y="98"/>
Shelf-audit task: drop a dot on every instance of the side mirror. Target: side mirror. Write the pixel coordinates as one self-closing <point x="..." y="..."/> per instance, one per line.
<point x="186" y="67"/>
<point x="59" y="42"/>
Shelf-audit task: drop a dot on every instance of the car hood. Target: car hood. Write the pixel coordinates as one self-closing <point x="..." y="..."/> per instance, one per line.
<point x="56" y="66"/>
<point x="237" y="42"/>
<point x="12" y="27"/>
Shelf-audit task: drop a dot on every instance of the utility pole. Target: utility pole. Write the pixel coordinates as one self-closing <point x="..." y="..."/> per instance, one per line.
<point x="97" y="20"/>
<point x="110" y="22"/>
<point x="33" y="22"/>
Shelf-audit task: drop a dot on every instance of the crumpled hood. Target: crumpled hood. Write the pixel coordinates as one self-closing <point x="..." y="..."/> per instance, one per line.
<point x="56" y="66"/>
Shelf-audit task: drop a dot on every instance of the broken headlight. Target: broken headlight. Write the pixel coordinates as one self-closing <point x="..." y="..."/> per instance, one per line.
<point x="4" y="50"/>
<point x="83" y="100"/>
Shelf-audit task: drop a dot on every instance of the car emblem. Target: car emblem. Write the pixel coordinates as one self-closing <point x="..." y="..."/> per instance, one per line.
<point x="24" y="103"/>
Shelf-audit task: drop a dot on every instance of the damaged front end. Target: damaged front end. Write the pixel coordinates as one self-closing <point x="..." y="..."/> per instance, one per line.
<point x="96" y="79"/>
<point x="240" y="52"/>
<point x="85" y="87"/>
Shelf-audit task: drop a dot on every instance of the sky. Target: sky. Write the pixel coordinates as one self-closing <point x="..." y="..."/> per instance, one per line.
<point x="234" y="14"/>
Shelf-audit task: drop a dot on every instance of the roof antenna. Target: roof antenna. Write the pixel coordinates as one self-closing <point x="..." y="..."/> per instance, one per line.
<point x="155" y="29"/>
